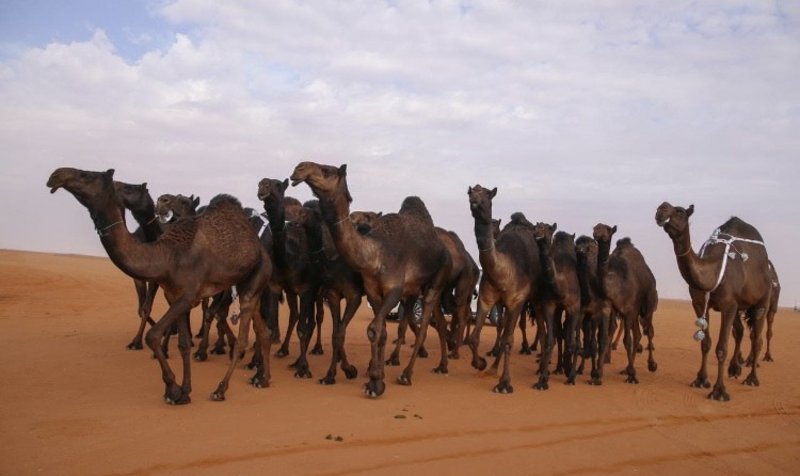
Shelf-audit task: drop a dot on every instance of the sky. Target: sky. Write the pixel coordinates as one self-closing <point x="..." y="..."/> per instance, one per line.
<point x="578" y="112"/>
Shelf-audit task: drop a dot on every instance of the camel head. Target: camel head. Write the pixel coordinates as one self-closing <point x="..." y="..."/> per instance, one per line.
<point x="674" y="220"/>
<point x="133" y="196"/>
<point x="172" y="207"/>
<point x="544" y="231"/>
<point x="89" y="188"/>
<point x="480" y="201"/>
<point x="364" y="221"/>
<point x="586" y="247"/>
<point x="325" y="181"/>
<point x="603" y="233"/>
<point x="272" y="191"/>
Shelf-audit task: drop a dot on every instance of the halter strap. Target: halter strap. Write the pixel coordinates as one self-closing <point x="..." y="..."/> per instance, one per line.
<point x="101" y="230"/>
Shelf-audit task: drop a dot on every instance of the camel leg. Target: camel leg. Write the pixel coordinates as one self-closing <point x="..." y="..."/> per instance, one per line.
<point x="573" y="318"/>
<point x="650" y="331"/>
<point x="376" y="332"/>
<point x="334" y="305"/>
<point x="615" y="327"/>
<point x="291" y="303"/>
<point x="588" y="334"/>
<point x="484" y="306"/>
<point x="249" y="305"/>
<point x="512" y="314"/>
<point x="558" y="328"/>
<point x="698" y="304"/>
<point x="185" y="348"/>
<point x="319" y="316"/>
<point x="209" y="310"/>
<point x="142" y="294"/>
<point x="728" y="314"/>
<point x="735" y="365"/>
<point x="173" y="394"/>
<point x="340" y="324"/>
<point x="440" y="324"/>
<point x="547" y="344"/>
<point x="770" y="319"/>
<point x="525" y="348"/>
<point x="602" y="345"/>
<point x="630" y="320"/>
<point x="757" y="318"/>
<point x="305" y="328"/>
<point x="403" y="322"/>
<point x="431" y="300"/>
<point x="353" y="303"/>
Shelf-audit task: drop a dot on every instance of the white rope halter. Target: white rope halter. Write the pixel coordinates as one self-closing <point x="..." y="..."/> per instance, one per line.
<point x="715" y="238"/>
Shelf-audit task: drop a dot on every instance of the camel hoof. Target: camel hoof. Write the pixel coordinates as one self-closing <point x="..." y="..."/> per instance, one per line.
<point x="317" y="350"/>
<point x="734" y="371"/>
<point x="541" y="385"/>
<point x="302" y="372"/>
<point x="218" y="397"/>
<point x="700" y="383"/>
<point x="632" y="379"/>
<point x="422" y="353"/>
<point x="328" y="380"/>
<point x="719" y="394"/>
<point x="281" y="353"/>
<point x="259" y="381"/>
<point x="479" y="364"/>
<point x="200" y="356"/>
<point x="440" y="370"/>
<point x="137" y="345"/>
<point x="218" y="351"/>
<point x="595" y="381"/>
<point x="570" y="381"/>
<point x="374" y="388"/>
<point x="525" y="350"/>
<point x="350" y="372"/>
<point x="768" y="357"/>
<point x="503" y="388"/>
<point x="404" y="379"/>
<point x="453" y="355"/>
<point x="558" y="371"/>
<point x="751" y="380"/>
<point x="492" y="353"/>
<point x="176" y="396"/>
<point x="652" y="366"/>
<point x="393" y="361"/>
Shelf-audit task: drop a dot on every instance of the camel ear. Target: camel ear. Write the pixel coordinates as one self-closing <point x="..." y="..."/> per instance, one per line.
<point x="285" y="184"/>
<point x="196" y="201"/>
<point x="614" y="229"/>
<point x="380" y="214"/>
<point x="469" y="189"/>
<point x="493" y="192"/>
<point x="690" y="210"/>
<point x="144" y="186"/>
<point x="110" y="173"/>
<point x="343" y="170"/>
<point x="555" y="226"/>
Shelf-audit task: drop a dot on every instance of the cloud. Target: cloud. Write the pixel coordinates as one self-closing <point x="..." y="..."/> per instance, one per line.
<point x="575" y="111"/>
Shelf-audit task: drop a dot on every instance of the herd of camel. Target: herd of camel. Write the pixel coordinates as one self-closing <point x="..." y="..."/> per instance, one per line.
<point x="576" y="290"/>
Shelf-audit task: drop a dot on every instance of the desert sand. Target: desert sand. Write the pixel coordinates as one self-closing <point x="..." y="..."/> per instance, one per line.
<point x="75" y="401"/>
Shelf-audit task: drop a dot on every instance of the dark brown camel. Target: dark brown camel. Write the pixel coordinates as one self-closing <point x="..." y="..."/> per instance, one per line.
<point x="338" y="281"/>
<point x="137" y="199"/>
<point x="594" y="308"/>
<point x="511" y="277"/>
<point x="629" y="287"/>
<point x="560" y="267"/>
<point x="294" y="271"/>
<point x="731" y="272"/>
<point x="195" y="258"/>
<point x="401" y="257"/>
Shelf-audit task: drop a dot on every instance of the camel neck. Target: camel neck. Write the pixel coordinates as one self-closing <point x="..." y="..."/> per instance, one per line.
<point x="699" y="273"/>
<point x="130" y="255"/>
<point x="349" y="243"/>
<point x="548" y="266"/>
<point x="148" y="222"/>
<point x="485" y="241"/>
<point x="276" y="216"/>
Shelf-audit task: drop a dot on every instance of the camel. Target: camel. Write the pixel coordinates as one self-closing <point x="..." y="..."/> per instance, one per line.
<point x="363" y="220"/>
<point x="401" y="257"/>
<point x="629" y="287"/>
<point x="594" y="309"/>
<point x="196" y="258"/>
<point x="560" y="268"/>
<point x="294" y="270"/>
<point x="731" y="273"/>
<point x="137" y="199"/>
<point x="338" y="281"/>
<point x="511" y="277"/>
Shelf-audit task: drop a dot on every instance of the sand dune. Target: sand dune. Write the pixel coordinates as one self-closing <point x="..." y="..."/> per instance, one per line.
<point x="75" y="401"/>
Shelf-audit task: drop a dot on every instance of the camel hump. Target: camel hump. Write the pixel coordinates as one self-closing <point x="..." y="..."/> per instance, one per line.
<point x="517" y="222"/>
<point x="414" y="205"/>
<point x="624" y="242"/>
<point x="223" y="199"/>
<point x="563" y="237"/>
<point x="739" y="228"/>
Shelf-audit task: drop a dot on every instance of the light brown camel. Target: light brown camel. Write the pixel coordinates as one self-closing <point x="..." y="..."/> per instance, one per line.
<point x="511" y="277"/>
<point x="730" y="273"/>
<point x="629" y="288"/>
<point x="294" y="270"/>
<point x="196" y="258"/>
<point x="399" y="258"/>
<point x="560" y="268"/>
